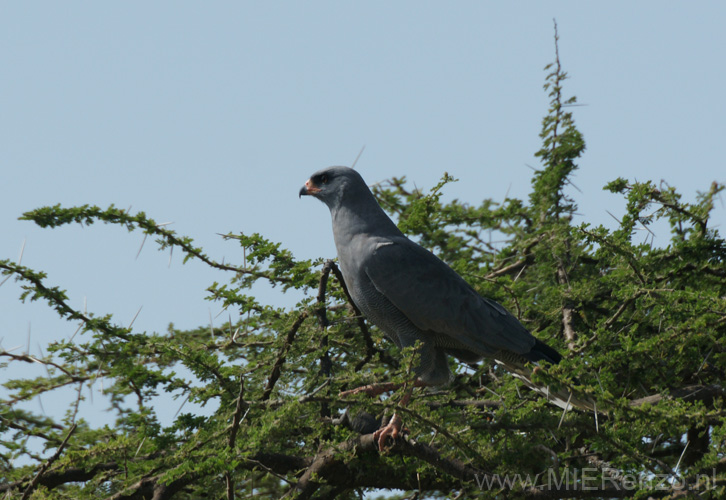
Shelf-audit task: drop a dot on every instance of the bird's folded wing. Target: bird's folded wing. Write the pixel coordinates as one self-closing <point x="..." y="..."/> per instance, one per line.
<point x="438" y="300"/>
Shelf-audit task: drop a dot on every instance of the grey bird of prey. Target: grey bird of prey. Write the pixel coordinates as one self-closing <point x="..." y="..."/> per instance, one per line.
<point x="411" y="294"/>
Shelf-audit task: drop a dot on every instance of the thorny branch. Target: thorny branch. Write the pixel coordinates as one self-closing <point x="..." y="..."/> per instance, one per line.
<point x="568" y="308"/>
<point x="277" y="367"/>
<point x="48" y="463"/>
<point x="236" y="419"/>
<point x="326" y="365"/>
<point x="326" y="465"/>
<point x="331" y="470"/>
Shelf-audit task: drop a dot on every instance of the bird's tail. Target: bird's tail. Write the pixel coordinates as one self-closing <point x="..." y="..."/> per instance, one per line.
<point x="562" y="396"/>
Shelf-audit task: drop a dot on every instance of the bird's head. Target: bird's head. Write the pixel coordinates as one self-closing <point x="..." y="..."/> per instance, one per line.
<point x="333" y="184"/>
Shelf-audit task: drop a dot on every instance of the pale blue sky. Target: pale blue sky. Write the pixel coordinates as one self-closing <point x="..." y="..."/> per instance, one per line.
<point x="212" y="115"/>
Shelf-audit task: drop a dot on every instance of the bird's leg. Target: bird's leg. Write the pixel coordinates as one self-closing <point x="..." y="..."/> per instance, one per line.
<point x="378" y="389"/>
<point x="372" y="389"/>
<point x="395" y="425"/>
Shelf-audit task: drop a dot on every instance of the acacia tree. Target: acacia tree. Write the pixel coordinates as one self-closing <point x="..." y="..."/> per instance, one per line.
<point x="643" y="330"/>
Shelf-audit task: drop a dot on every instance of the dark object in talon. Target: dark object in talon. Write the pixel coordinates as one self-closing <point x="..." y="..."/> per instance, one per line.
<point x="365" y="423"/>
<point x="362" y="423"/>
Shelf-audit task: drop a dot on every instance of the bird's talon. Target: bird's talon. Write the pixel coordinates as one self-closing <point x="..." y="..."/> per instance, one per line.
<point x="393" y="429"/>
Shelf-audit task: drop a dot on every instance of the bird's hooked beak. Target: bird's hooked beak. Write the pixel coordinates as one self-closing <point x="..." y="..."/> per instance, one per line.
<point x="309" y="189"/>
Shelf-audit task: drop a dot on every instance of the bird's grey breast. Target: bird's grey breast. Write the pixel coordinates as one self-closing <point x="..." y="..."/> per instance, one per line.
<point x="354" y="254"/>
<point x="354" y="258"/>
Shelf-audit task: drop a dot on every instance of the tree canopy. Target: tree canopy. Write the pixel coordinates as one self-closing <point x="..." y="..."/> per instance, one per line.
<point x="642" y="329"/>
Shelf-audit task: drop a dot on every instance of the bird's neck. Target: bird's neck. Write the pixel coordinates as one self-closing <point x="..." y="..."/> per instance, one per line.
<point x="351" y="220"/>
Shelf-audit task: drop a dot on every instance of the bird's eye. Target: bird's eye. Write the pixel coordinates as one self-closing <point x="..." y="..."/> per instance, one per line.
<point x="323" y="179"/>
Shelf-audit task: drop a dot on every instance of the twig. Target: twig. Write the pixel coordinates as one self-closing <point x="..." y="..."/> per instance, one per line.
<point x="241" y="406"/>
<point x="608" y="323"/>
<point x="31" y="359"/>
<point x="567" y="308"/>
<point x="326" y="365"/>
<point x="507" y="269"/>
<point x="277" y="368"/>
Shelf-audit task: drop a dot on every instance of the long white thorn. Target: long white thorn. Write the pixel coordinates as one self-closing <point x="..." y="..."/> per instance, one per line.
<point x="139" y="448"/>
<point x="182" y="405"/>
<point x="22" y="250"/>
<point x="358" y="157"/>
<point x="220" y="312"/>
<point x="141" y="247"/>
<point x="211" y="325"/>
<point x="76" y="332"/>
<point x="135" y="316"/>
<point x="681" y="457"/>
<point x="32" y="358"/>
<point x="567" y="407"/>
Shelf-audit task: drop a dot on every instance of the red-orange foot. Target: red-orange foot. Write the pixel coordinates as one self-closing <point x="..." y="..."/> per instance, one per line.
<point x="392" y="429"/>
